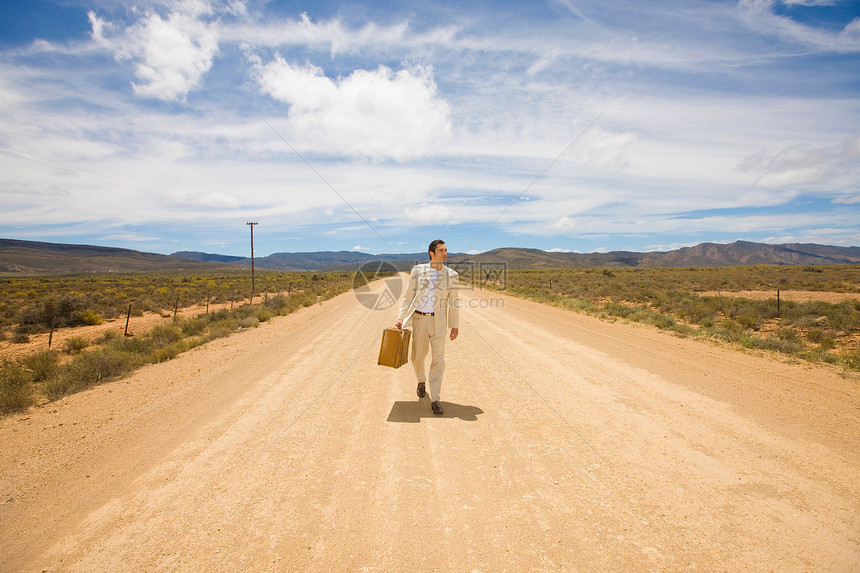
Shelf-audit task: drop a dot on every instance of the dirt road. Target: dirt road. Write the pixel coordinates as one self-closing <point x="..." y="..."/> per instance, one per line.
<point x="567" y="444"/>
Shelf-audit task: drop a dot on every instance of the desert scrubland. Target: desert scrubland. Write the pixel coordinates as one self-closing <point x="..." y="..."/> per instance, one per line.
<point x="568" y="443"/>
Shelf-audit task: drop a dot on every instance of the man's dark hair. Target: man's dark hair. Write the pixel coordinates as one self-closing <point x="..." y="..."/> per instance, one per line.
<point x="434" y="244"/>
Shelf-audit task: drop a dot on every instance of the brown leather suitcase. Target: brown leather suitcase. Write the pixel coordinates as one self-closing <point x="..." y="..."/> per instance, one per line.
<point x="394" y="350"/>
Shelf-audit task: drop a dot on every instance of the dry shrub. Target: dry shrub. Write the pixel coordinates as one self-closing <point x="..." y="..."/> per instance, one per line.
<point x="43" y="365"/>
<point x="95" y="367"/>
<point x="75" y="345"/>
<point x="16" y="388"/>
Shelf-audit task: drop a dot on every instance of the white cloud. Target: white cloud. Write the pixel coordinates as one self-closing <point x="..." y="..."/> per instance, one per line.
<point x="570" y="5"/>
<point x="545" y="61"/>
<point x="563" y="224"/>
<point x="236" y="8"/>
<point x="603" y="149"/>
<point x="760" y="15"/>
<point x="791" y="177"/>
<point x="809" y="2"/>
<point x="304" y="88"/>
<point x="215" y="199"/>
<point x="377" y="114"/>
<point x="630" y="221"/>
<point x="130" y="238"/>
<point x="800" y="165"/>
<point x="98" y="28"/>
<point x="335" y="37"/>
<point x="429" y="214"/>
<point x="170" y="55"/>
<point x="851" y="200"/>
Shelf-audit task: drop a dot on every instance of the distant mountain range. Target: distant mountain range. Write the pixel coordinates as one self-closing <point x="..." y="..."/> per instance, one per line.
<point x="312" y="261"/>
<point x="37" y="257"/>
<point x="739" y="253"/>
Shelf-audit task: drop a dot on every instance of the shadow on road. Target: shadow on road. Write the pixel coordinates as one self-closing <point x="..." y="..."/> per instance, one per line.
<point x="413" y="410"/>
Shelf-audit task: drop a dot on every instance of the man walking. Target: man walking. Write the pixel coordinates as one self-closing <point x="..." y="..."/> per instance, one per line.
<point x="430" y="306"/>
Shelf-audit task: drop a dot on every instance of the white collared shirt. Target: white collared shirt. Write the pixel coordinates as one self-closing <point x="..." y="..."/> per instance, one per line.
<point x="428" y="301"/>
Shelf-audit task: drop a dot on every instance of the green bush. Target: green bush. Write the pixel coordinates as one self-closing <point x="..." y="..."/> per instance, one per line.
<point x="165" y="334"/>
<point x="851" y="359"/>
<point x="221" y="328"/>
<point x="749" y="321"/>
<point x="696" y="309"/>
<point x="171" y="351"/>
<point x="814" y="335"/>
<point x="16" y="388"/>
<point x="278" y="301"/>
<point x="57" y="387"/>
<point x="97" y="366"/>
<point x="42" y="365"/>
<point x="821" y="355"/>
<point x="787" y="334"/>
<point x="110" y="336"/>
<point x="726" y="331"/>
<point x="775" y="344"/>
<point x="91" y="318"/>
<point x="616" y="309"/>
<point x="134" y="344"/>
<point x="75" y="345"/>
<point x="580" y="305"/>
<point x="195" y="326"/>
<point x="661" y="320"/>
<point x="264" y="315"/>
<point x="222" y="314"/>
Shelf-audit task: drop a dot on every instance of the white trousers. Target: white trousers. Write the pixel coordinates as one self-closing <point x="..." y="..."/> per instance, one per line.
<point x="423" y="339"/>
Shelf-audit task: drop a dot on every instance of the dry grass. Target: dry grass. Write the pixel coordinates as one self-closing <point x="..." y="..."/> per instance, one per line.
<point x="816" y="317"/>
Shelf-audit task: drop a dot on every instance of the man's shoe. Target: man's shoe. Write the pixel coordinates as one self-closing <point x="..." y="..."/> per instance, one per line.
<point x="421" y="391"/>
<point x="437" y="408"/>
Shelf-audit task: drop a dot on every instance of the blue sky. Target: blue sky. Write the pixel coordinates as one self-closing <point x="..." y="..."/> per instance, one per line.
<point x="380" y="126"/>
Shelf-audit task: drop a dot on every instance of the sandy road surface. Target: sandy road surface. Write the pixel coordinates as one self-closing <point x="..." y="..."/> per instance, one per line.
<point x="567" y="444"/>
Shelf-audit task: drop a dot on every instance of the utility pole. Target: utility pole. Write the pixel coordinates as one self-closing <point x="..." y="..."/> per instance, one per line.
<point x="251" y="224"/>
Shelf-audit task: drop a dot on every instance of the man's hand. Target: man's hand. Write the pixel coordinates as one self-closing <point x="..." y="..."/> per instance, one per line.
<point x="399" y="324"/>
<point x="454" y="333"/>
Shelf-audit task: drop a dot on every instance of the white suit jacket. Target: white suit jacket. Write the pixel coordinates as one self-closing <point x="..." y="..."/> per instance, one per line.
<point x="446" y="306"/>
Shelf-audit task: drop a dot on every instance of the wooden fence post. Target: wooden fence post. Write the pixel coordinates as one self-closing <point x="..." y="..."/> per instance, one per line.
<point x="53" y="323"/>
